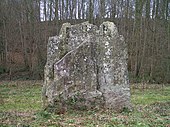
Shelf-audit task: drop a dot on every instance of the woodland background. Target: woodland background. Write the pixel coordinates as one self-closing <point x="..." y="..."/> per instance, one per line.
<point x="25" y="26"/>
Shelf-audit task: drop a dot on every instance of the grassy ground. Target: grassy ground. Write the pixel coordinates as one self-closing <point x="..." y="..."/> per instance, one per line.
<point x="20" y="105"/>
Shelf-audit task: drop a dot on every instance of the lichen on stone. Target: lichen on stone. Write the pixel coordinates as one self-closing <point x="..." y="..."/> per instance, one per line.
<point x="87" y="65"/>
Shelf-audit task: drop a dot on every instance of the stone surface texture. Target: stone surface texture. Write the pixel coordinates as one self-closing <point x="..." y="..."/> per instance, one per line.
<point x="86" y="68"/>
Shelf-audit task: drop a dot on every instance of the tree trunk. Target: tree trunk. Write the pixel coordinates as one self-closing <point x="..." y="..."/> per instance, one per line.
<point x="45" y="10"/>
<point x="6" y="43"/>
<point x="91" y="11"/>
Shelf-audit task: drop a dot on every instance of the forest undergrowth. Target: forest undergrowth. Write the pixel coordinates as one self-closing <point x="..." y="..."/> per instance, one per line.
<point x="20" y="105"/>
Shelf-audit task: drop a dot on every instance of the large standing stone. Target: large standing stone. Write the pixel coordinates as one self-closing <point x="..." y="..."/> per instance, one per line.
<point x="86" y="68"/>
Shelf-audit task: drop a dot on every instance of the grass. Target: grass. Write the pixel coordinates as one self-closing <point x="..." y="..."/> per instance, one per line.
<point x="20" y="105"/>
<point x="149" y="96"/>
<point x="20" y="96"/>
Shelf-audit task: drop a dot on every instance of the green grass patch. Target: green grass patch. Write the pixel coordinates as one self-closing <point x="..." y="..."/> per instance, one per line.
<point x="20" y="97"/>
<point x="150" y="96"/>
<point x="21" y="106"/>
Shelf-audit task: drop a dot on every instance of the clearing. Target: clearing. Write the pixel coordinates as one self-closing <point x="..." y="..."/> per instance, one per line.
<point x="20" y="105"/>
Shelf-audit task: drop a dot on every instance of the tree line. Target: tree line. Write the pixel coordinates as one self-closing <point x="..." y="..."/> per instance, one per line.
<point x="25" y="26"/>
